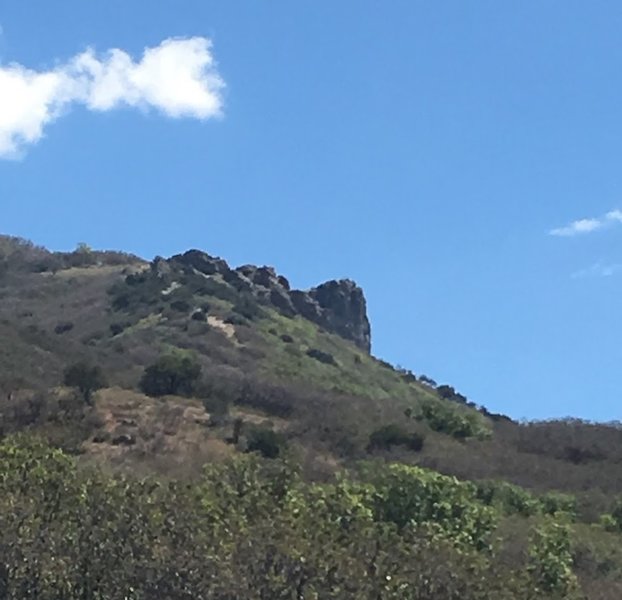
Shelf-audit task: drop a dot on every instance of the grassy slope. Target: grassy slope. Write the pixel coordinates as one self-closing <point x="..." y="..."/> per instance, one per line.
<point x="355" y="372"/>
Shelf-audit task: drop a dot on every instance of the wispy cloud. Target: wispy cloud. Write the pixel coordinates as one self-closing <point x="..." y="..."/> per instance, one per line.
<point x="177" y="78"/>
<point x="598" y="270"/>
<point x="583" y="226"/>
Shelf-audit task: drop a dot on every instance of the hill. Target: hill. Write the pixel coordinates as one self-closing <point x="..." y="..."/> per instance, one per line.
<point x="288" y="375"/>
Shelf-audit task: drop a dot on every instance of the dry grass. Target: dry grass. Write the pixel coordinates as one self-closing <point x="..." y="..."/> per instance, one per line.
<point x="169" y="433"/>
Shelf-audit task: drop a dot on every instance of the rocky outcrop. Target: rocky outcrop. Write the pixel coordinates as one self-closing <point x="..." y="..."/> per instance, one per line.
<point x="337" y="306"/>
<point x="344" y="310"/>
<point x="202" y="262"/>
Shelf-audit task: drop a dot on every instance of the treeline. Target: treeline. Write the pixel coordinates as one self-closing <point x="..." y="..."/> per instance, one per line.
<point x="252" y="528"/>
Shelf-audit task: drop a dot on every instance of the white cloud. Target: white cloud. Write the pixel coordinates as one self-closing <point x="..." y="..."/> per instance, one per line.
<point x="577" y="227"/>
<point x="588" y="225"/>
<point x="614" y="215"/>
<point x="178" y="78"/>
<point x="598" y="270"/>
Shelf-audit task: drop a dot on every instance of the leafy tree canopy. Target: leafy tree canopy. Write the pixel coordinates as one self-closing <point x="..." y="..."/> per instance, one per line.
<point x="173" y="373"/>
<point x="85" y="377"/>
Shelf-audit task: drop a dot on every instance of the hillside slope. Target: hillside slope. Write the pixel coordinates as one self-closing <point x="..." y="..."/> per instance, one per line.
<point x="286" y="373"/>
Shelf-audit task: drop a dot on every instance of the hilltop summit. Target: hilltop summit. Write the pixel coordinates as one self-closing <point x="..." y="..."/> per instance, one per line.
<point x="338" y="306"/>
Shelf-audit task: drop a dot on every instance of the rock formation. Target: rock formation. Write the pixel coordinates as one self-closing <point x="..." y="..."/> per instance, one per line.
<point x="338" y="306"/>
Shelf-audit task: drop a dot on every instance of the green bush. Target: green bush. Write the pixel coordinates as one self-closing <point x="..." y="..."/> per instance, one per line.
<point x="248" y="307"/>
<point x="217" y="407"/>
<point x="407" y="495"/>
<point x="85" y="377"/>
<point x="136" y="291"/>
<point x="271" y="399"/>
<point x="269" y="443"/>
<point x="555" y="502"/>
<point x="118" y="328"/>
<point x="453" y="420"/>
<point x="550" y="560"/>
<point x="63" y="327"/>
<point x="321" y="356"/>
<point x="174" y="373"/>
<point x="510" y="499"/>
<point x="180" y="305"/>
<point x="394" y="435"/>
<point x="252" y="528"/>
<point x="613" y="521"/>
<point x="236" y="319"/>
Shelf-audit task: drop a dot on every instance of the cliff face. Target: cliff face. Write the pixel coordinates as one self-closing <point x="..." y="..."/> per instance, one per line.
<point x="337" y="306"/>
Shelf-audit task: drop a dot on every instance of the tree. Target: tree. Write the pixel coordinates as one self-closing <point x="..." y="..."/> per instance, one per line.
<point x="174" y="373"/>
<point x="87" y="378"/>
<point x="550" y="559"/>
<point x="267" y="442"/>
<point x="83" y="248"/>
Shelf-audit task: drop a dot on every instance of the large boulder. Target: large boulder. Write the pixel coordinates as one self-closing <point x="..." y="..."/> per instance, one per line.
<point x="202" y="262"/>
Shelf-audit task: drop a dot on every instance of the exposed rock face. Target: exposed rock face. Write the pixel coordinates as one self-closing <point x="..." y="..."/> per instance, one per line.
<point x="204" y="263"/>
<point x="344" y="310"/>
<point x="337" y="306"/>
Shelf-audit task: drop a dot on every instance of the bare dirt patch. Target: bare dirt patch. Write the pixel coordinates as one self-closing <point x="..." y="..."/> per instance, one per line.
<point x="226" y="328"/>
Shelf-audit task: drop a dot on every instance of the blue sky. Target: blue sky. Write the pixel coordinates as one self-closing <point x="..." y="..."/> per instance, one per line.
<point x="459" y="160"/>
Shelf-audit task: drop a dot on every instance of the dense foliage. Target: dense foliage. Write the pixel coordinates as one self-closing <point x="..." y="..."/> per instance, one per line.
<point x="174" y="373"/>
<point x="252" y="528"/>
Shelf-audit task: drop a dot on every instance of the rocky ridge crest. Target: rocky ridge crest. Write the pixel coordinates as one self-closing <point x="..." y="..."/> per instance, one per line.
<point x="338" y="306"/>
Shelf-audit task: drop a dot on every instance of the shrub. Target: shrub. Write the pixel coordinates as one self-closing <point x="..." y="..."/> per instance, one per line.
<point x="211" y="287"/>
<point x="454" y="421"/>
<point x="555" y="502"/>
<point x="269" y="443"/>
<point x="608" y="523"/>
<point x="180" y="306"/>
<point x="616" y="513"/>
<point x="116" y="328"/>
<point x="408" y="495"/>
<point x="394" y="435"/>
<point x="511" y="499"/>
<point x="247" y="306"/>
<point x="174" y="373"/>
<point x="63" y="327"/>
<point x="87" y="378"/>
<point x="550" y="560"/>
<point x="217" y="407"/>
<point x="321" y="356"/>
<point x="136" y="291"/>
<point x="449" y="393"/>
<point x="235" y="319"/>
<point x="408" y="376"/>
<point x="272" y="399"/>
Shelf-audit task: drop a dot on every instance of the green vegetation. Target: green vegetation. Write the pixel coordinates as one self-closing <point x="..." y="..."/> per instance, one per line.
<point x="452" y="420"/>
<point x="252" y="528"/>
<point x="269" y="443"/>
<point x="391" y="435"/>
<point x="268" y="457"/>
<point x="87" y="378"/>
<point x="358" y="374"/>
<point x="173" y="373"/>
